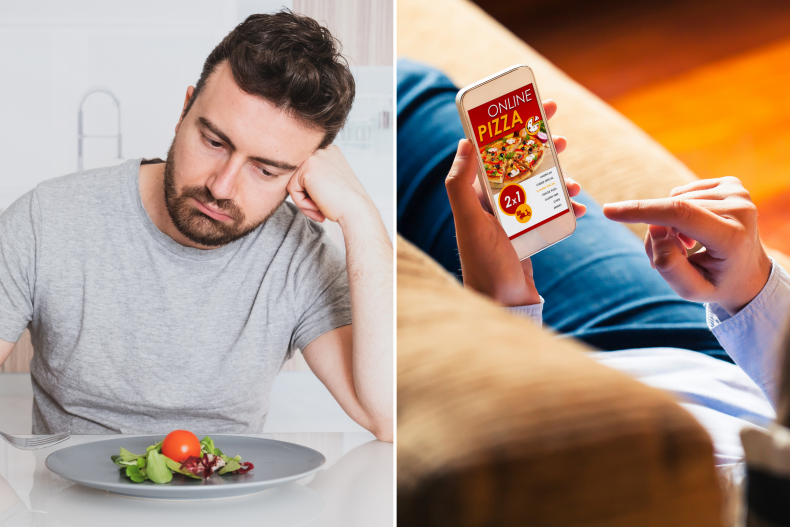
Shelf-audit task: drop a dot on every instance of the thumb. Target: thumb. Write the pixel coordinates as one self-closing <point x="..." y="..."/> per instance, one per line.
<point x="460" y="184"/>
<point x="671" y="261"/>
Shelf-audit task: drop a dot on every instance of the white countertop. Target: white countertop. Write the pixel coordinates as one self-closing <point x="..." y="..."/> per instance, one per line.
<point x="354" y="488"/>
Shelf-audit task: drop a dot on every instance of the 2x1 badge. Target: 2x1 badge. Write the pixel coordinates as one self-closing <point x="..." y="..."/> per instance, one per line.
<point x="513" y="202"/>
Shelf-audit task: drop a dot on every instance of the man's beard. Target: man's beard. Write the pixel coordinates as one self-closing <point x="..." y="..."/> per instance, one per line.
<point x="192" y="223"/>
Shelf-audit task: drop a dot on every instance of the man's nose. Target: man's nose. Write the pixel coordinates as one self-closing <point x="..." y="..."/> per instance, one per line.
<point x="223" y="181"/>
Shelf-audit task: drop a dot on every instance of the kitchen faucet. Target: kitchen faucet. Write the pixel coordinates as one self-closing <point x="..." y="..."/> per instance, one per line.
<point x="81" y="135"/>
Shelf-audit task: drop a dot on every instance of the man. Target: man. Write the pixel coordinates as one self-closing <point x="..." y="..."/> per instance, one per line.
<point x="164" y="295"/>
<point x="598" y="285"/>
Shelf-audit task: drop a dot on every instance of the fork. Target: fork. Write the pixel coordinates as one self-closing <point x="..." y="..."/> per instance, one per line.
<point x="33" y="443"/>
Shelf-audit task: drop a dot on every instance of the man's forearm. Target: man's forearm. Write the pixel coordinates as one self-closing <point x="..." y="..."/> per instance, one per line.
<point x="370" y="275"/>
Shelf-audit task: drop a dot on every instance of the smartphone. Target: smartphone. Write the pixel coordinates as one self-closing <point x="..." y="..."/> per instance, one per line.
<point x="518" y="166"/>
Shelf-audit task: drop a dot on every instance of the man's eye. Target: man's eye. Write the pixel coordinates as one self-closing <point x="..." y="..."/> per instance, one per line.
<point x="267" y="173"/>
<point x="215" y="144"/>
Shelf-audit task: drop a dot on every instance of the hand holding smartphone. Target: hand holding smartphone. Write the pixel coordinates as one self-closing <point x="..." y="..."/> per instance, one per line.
<point x="492" y="243"/>
<point x="519" y="170"/>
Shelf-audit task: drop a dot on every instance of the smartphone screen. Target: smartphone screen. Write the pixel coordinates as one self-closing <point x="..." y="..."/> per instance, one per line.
<point x="519" y="161"/>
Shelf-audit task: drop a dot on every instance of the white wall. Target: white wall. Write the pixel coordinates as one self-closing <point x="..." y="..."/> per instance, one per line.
<point x="147" y="53"/>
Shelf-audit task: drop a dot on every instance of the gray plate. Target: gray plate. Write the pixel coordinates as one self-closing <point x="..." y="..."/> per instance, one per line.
<point x="276" y="463"/>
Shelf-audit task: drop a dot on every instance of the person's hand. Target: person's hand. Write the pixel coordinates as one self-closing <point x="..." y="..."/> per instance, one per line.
<point x="732" y="267"/>
<point x="489" y="262"/>
<point x="325" y="187"/>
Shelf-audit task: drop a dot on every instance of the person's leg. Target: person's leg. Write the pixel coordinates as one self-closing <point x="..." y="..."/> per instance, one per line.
<point x="600" y="288"/>
<point x="428" y="134"/>
<point x="598" y="284"/>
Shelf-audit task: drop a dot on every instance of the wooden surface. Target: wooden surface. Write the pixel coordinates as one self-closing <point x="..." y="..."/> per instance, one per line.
<point x="774" y="223"/>
<point x="501" y="424"/>
<point x="615" y="46"/>
<point x="364" y="27"/>
<point x="729" y="118"/>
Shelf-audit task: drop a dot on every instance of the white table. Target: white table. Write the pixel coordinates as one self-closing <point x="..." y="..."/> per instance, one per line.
<point x="354" y="488"/>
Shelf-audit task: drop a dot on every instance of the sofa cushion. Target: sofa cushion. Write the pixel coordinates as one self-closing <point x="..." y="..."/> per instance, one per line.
<point x="501" y="423"/>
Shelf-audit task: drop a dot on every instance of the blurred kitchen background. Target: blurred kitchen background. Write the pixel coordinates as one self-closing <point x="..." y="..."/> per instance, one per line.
<point x="144" y="54"/>
<point x="707" y="78"/>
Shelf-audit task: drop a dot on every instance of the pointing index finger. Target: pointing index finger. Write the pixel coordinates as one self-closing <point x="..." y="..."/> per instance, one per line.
<point x="685" y="216"/>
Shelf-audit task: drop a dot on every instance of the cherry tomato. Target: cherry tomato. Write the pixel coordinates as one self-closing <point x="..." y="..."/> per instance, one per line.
<point x="180" y="444"/>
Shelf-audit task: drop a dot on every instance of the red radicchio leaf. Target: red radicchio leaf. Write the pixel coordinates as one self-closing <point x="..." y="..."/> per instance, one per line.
<point x="194" y="465"/>
<point x="200" y="466"/>
<point x="246" y="466"/>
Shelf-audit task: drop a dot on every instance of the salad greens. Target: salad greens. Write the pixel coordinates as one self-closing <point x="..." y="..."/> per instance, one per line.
<point x="159" y="468"/>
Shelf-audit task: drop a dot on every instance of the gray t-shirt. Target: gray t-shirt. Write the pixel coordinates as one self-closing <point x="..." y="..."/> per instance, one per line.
<point x="135" y="333"/>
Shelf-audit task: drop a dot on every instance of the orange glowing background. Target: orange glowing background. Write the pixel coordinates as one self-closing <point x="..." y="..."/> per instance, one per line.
<point x="709" y="80"/>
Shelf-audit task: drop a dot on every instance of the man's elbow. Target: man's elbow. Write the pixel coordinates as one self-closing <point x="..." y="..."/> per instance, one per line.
<point x="383" y="430"/>
<point x="386" y="436"/>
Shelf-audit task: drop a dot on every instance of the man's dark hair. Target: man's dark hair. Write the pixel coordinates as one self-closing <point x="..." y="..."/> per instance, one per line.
<point x="291" y="61"/>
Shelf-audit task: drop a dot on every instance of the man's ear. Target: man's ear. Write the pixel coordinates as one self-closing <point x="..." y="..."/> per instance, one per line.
<point x="190" y="91"/>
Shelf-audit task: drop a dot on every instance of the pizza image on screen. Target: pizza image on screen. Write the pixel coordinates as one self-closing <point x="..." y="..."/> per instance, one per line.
<point x="494" y="161"/>
<point x="513" y="158"/>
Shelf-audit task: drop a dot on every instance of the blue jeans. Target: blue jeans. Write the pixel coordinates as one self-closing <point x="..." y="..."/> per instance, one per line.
<point x="598" y="284"/>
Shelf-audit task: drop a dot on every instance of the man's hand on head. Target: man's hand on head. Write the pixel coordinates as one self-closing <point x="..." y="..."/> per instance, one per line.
<point x="731" y="268"/>
<point x="354" y="362"/>
<point x="325" y="187"/>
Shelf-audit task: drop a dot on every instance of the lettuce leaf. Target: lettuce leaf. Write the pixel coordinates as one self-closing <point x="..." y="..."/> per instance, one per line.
<point x="175" y="466"/>
<point x="207" y="446"/>
<point x="125" y="458"/>
<point x="159" y="468"/>
<point x="156" y="468"/>
<point x="230" y="465"/>
<point x="134" y="473"/>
